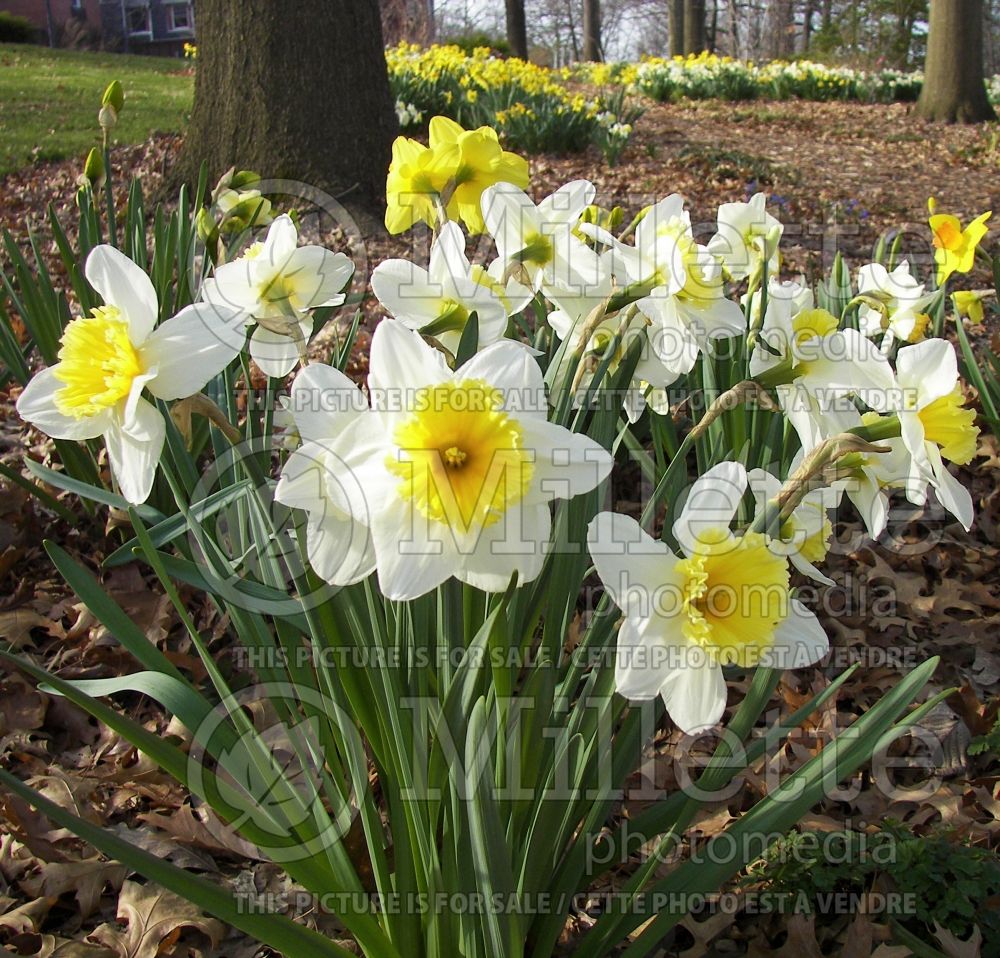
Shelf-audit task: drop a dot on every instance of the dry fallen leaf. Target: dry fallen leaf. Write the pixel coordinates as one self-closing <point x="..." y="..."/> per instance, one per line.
<point x="156" y="919"/>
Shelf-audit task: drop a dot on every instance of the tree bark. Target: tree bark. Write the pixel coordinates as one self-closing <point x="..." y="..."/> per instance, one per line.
<point x="675" y="26"/>
<point x="295" y="91"/>
<point x="953" y="76"/>
<point x="592" y="30"/>
<point x="694" y="26"/>
<point x="517" y="29"/>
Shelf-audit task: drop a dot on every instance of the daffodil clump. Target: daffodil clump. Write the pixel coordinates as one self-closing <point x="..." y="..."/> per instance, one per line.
<point x="569" y="507"/>
<point x="531" y="107"/>
<point x="709" y="76"/>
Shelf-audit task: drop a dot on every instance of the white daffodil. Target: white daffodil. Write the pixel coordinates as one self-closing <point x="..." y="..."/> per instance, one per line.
<point x="725" y="601"/>
<point x="569" y="320"/>
<point x="277" y="284"/>
<point x="799" y="295"/>
<point x="110" y="356"/>
<point x="867" y="477"/>
<point x="327" y="407"/>
<point x="804" y="537"/>
<point x="439" y="300"/>
<point x="747" y="238"/>
<point x="896" y="303"/>
<point x="541" y="238"/>
<point x="807" y="347"/>
<point x="680" y="283"/>
<point x="453" y="470"/>
<point x="935" y="424"/>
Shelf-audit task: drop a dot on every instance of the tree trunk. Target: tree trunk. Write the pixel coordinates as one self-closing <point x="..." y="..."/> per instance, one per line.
<point x="296" y="91"/>
<point x="713" y="28"/>
<point x="675" y="26"/>
<point x="694" y="26"/>
<point x="517" y="29"/>
<point x="953" y="77"/>
<point x="592" y="30"/>
<point x="807" y="16"/>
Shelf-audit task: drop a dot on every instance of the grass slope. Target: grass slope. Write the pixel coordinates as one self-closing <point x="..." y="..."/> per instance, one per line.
<point x="49" y="101"/>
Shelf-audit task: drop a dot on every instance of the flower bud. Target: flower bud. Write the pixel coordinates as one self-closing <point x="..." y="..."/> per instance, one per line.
<point x="114" y="96"/>
<point x="94" y="173"/>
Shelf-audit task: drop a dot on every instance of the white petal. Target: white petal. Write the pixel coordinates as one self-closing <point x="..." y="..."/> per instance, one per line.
<point x="695" y="694"/>
<point x="513" y="369"/>
<point x="928" y="369"/>
<point x="799" y="640"/>
<point x="400" y="361"/>
<point x="232" y="286"/>
<point x="565" y="464"/>
<point x="37" y="405"/>
<point x="632" y="565"/>
<point x="953" y="495"/>
<point x="340" y="550"/>
<point x="191" y="348"/>
<point x="281" y="240"/>
<point x="568" y="202"/>
<point x="133" y="455"/>
<point x="642" y="660"/>
<point x="123" y="283"/>
<point x="413" y="555"/>
<point x="324" y="402"/>
<point x="275" y="353"/>
<point x="448" y="260"/>
<point x="509" y="215"/>
<point x="407" y="292"/>
<point x="711" y="504"/>
<point x="318" y="276"/>
<point x="516" y="543"/>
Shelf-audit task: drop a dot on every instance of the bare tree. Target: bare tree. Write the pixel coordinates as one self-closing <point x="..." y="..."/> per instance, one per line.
<point x="676" y="28"/>
<point x="694" y="26"/>
<point x="953" y="76"/>
<point x="517" y="28"/>
<point x="592" y="30"/>
<point x="314" y="101"/>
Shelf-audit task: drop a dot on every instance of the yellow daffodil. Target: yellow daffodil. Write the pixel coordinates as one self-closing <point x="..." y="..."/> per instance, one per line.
<point x="969" y="303"/>
<point x="954" y="247"/>
<point x="453" y="170"/>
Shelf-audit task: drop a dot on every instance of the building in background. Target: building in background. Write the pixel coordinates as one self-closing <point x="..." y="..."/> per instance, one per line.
<point x="159" y="27"/>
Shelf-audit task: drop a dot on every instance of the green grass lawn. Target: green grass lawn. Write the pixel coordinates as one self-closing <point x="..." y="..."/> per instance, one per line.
<point x="49" y="101"/>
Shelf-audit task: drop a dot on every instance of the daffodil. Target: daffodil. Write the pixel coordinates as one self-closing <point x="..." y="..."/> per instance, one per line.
<point x="724" y="601"/>
<point x="935" y="424"/>
<point x="450" y="173"/>
<point x="804" y="537"/>
<point x="452" y="471"/>
<point x="574" y="308"/>
<point x="418" y="176"/>
<point x="326" y="407"/>
<point x="481" y="162"/>
<point x="540" y="239"/>
<point x="677" y="282"/>
<point x="439" y="300"/>
<point x="807" y="346"/>
<point x="969" y="303"/>
<point x="955" y="247"/>
<point x="109" y="357"/>
<point x="747" y="238"/>
<point x="866" y="478"/>
<point x="277" y="284"/>
<point x="892" y="303"/>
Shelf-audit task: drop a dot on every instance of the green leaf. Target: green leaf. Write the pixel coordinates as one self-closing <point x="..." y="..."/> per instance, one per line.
<point x="86" y="491"/>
